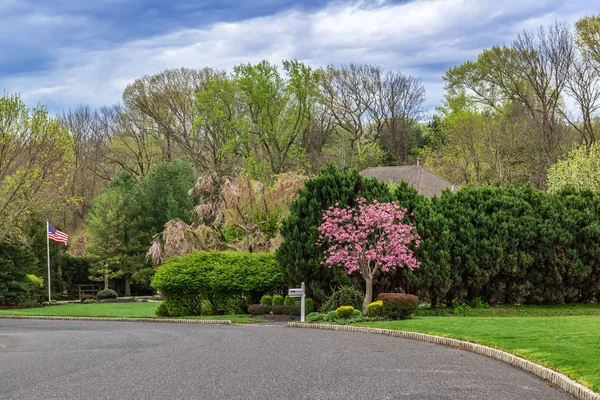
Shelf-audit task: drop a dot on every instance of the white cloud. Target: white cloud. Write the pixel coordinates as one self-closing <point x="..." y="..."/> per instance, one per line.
<point x="405" y="36"/>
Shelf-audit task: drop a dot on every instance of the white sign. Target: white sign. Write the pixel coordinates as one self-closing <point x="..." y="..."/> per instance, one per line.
<point x="297" y="292"/>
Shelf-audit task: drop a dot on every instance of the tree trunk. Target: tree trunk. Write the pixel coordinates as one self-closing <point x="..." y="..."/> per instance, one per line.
<point x="368" y="294"/>
<point x="127" y="286"/>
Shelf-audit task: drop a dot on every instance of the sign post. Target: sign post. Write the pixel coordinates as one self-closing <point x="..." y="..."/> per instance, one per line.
<point x="299" y="292"/>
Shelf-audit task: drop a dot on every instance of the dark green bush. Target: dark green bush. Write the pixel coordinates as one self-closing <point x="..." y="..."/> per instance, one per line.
<point x="266" y="299"/>
<point x="343" y="296"/>
<point x="398" y="305"/>
<point x="356" y="314"/>
<point x="331" y="316"/>
<point x="309" y="305"/>
<point x="277" y="300"/>
<point x="289" y="301"/>
<point x="262" y="309"/>
<point x="228" y="280"/>
<point x="162" y="310"/>
<point x="106" y="294"/>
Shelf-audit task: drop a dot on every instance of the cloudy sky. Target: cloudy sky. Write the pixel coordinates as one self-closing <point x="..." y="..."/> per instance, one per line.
<point x="68" y="52"/>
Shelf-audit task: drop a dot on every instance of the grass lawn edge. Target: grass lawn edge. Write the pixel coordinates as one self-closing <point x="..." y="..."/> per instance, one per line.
<point x="558" y="379"/>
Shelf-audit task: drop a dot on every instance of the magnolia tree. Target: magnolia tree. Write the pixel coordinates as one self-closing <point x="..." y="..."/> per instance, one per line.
<point x="368" y="239"/>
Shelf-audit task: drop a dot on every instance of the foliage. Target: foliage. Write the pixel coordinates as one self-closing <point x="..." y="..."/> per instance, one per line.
<point x="398" y="305"/>
<point x="106" y="294"/>
<point x="298" y="255"/>
<point x="375" y="309"/>
<point x="309" y="305"/>
<point x="315" y="317"/>
<point x="289" y="301"/>
<point x="330" y="316"/>
<point x="344" y="311"/>
<point x="217" y="277"/>
<point x="357" y="314"/>
<point x="266" y="300"/>
<point x="277" y="300"/>
<point x="15" y="288"/>
<point x="579" y="170"/>
<point x="370" y="238"/>
<point x="90" y="301"/>
<point x="261" y="309"/>
<point x="343" y="296"/>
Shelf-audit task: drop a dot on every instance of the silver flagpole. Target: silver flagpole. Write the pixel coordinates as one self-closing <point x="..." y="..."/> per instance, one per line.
<point x="48" y="247"/>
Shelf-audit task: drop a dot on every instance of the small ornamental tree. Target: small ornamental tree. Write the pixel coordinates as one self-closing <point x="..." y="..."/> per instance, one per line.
<point x="368" y="239"/>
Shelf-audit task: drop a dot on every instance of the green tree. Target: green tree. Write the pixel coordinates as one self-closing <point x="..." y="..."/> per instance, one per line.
<point x="299" y="255"/>
<point x="580" y="170"/>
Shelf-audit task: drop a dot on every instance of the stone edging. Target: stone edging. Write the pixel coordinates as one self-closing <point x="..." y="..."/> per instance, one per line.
<point x="164" y="320"/>
<point x="556" y="378"/>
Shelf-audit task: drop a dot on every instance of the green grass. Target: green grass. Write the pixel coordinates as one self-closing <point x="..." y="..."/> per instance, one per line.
<point x="568" y="344"/>
<point x="116" y="310"/>
<point x="518" y="311"/>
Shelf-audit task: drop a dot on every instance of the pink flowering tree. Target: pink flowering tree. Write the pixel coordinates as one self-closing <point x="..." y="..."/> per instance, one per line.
<point x="368" y="239"/>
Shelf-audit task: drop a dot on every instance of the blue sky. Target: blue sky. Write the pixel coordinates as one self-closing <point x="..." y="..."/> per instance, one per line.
<point x="63" y="53"/>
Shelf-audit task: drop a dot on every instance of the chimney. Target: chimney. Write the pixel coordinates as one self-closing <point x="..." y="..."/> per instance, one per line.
<point x="418" y="161"/>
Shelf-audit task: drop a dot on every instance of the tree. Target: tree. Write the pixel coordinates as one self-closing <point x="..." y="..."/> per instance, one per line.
<point x="115" y="249"/>
<point x="298" y="254"/>
<point x="579" y="170"/>
<point x="369" y="238"/>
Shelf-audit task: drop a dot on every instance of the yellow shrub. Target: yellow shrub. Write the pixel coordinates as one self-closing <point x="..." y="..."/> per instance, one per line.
<point x="375" y="309"/>
<point x="344" y="312"/>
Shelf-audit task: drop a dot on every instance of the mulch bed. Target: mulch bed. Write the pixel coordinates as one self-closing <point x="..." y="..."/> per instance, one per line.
<point x="12" y="306"/>
<point x="269" y="317"/>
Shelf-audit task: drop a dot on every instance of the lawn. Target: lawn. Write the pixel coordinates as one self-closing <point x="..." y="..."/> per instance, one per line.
<point x="568" y="344"/>
<point x="115" y="310"/>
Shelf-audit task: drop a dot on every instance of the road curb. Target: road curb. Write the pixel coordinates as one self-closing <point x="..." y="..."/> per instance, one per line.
<point x="556" y="378"/>
<point x="163" y="320"/>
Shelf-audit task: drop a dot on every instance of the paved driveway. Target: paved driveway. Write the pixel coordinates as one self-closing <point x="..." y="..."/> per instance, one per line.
<point x="43" y="359"/>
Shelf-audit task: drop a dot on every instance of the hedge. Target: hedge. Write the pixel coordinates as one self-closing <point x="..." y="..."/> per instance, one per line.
<point x="225" y="279"/>
<point x="398" y="305"/>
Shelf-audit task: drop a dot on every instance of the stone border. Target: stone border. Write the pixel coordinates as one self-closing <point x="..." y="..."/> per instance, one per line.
<point x="163" y="320"/>
<point x="556" y="378"/>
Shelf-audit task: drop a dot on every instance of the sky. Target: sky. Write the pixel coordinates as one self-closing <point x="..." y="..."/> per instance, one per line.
<point x="63" y="53"/>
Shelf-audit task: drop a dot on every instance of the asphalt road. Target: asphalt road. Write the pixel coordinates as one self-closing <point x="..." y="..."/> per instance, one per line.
<point x="116" y="360"/>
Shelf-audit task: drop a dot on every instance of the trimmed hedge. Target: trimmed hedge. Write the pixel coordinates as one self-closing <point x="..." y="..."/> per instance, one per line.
<point x="277" y="300"/>
<point x="398" y="305"/>
<point x="106" y="294"/>
<point x="289" y="301"/>
<point x="266" y="299"/>
<point x="262" y="309"/>
<point x="228" y="280"/>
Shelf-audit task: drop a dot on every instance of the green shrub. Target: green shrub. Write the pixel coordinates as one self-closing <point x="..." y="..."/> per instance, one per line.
<point x="106" y="294"/>
<point x="289" y="301"/>
<point x="277" y="300"/>
<point x="375" y="309"/>
<point x="315" y="317"/>
<point x="219" y="277"/>
<point x="90" y="301"/>
<point x="357" y="314"/>
<point x="460" y="309"/>
<point x="206" y="308"/>
<point x="309" y="305"/>
<point x="266" y="300"/>
<point x="162" y="310"/>
<point x="478" y="303"/>
<point x="343" y="296"/>
<point x="344" y="312"/>
<point x="331" y="316"/>
<point x="398" y="305"/>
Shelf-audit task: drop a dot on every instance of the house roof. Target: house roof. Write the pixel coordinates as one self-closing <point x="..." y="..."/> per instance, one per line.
<point x="425" y="181"/>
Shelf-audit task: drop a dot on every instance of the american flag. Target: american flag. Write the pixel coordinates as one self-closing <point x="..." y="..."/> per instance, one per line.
<point x="56" y="235"/>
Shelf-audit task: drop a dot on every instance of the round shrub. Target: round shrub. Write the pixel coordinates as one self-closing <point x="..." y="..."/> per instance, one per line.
<point x="343" y="296"/>
<point x="277" y="300"/>
<point x="331" y="316"/>
<point x="315" y="317"/>
<point x="309" y="305"/>
<point x="266" y="300"/>
<point x="289" y="301"/>
<point x="106" y="294"/>
<point x="357" y="314"/>
<point x="162" y="311"/>
<point x="375" y="309"/>
<point x="344" y="312"/>
<point x="398" y="305"/>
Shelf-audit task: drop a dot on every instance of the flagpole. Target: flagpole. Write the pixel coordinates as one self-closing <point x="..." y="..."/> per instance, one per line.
<point x="48" y="247"/>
